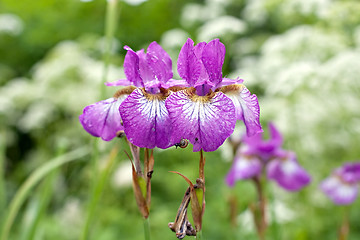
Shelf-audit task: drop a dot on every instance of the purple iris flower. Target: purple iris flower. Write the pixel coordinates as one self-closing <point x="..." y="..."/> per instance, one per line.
<point x="264" y="148"/>
<point x="206" y="112"/>
<point x="245" y="166"/>
<point x="141" y="112"/>
<point x="343" y="185"/>
<point x="257" y="155"/>
<point x="145" y="118"/>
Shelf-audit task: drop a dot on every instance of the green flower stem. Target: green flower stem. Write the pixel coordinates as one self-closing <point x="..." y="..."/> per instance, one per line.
<point x="100" y="181"/>
<point x="31" y="181"/>
<point x="199" y="235"/>
<point x="43" y="199"/>
<point x="276" y="231"/>
<point x="110" y="27"/>
<point x="261" y="207"/>
<point x="345" y="225"/>
<point x="147" y="229"/>
<point x="2" y="175"/>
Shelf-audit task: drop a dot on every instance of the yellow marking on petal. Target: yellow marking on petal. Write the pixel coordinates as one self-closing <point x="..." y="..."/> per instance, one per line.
<point x="191" y="93"/>
<point x="124" y="91"/>
<point x="233" y="88"/>
<point x="176" y="88"/>
<point x="164" y="93"/>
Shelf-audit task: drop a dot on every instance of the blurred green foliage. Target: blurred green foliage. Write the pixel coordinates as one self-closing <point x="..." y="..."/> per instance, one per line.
<point x="300" y="57"/>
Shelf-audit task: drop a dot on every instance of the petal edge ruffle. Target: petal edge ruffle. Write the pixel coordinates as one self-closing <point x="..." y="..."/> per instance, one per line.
<point x="246" y="107"/>
<point x="102" y="119"/>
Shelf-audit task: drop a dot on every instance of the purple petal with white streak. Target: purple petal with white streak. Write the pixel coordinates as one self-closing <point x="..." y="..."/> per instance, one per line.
<point x="102" y="119"/>
<point x="206" y="122"/>
<point x="146" y="120"/>
<point x="246" y="107"/>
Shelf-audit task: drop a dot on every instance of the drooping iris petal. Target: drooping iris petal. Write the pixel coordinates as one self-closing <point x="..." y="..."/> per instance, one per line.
<point x="330" y="184"/>
<point x="188" y="65"/>
<point x="205" y="121"/>
<point x="288" y="173"/>
<point x="244" y="167"/>
<point x="212" y="57"/>
<point x="246" y="107"/>
<point x="102" y="119"/>
<point x="338" y="191"/>
<point x="146" y="120"/>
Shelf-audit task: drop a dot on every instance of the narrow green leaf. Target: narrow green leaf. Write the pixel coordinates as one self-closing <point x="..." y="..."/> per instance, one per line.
<point x="32" y="180"/>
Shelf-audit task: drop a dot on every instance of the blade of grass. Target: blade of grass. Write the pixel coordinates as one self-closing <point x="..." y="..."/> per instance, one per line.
<point x="95" y="197"/>
<point x="110" y="27"/>
<point x="99" y="180"/>
<point x="2" y="175"/>
<point x="43" y="198"/>
<point x="147" y="229"/>
<point x="32" y="180"/>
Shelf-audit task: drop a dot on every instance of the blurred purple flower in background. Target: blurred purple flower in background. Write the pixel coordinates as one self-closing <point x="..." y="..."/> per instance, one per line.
<point x="256" y="155"/>
<point x="343" y="185"/>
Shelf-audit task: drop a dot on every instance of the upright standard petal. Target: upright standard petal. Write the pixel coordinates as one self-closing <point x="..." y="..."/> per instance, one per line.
<point x="351" y="172"/>
<point x="102" y="119"/>
<point x="287" y="172"/>
<point x="188" y="65"/>
<point x="212" y="57"/>
<point x="146" y="119"/>
<point x="206" y="121"/>
<point x="264" y="148"/>
<point x="131" y="67"/>
<point x="160" y="62"/>
<point x="246" y="107"/>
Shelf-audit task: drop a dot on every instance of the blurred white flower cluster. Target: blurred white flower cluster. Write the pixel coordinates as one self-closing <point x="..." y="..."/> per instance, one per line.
<point x="307" y="73"/>
<point x="211" y="20"/>
<point x="310" y="76"/>
<point x="11" y="24"/>
<point x="67" y="79"/>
